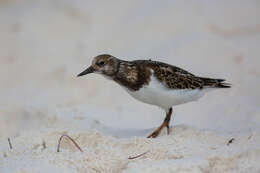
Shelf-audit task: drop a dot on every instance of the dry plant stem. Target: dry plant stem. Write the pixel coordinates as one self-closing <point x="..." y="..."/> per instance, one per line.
<point x="249" y="137"/>
<point x="230" y="141"/>
<point x="44" y="145"/>
<point x="58" y="148"/>
<point x="10" y="144"/>
<point x="138" y="155"/>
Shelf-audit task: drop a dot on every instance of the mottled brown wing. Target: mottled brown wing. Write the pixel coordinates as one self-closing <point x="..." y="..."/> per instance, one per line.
<point x="174" y="77"/>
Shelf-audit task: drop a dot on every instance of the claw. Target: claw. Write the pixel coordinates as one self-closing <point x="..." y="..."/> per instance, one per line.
<point x="154" y="134"/>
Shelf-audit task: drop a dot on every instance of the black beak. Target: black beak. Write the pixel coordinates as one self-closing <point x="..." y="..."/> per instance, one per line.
<point x="87" y="71"/>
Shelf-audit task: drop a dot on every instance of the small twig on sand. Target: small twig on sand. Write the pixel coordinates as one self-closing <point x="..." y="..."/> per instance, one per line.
<point x="44" y="145"/>
<point x="249" y="137"/>
<point x="10" y="144"/>
<point x="134" y="157"/>
<point x="230" y="141"/>
<point x="58" y="148"/>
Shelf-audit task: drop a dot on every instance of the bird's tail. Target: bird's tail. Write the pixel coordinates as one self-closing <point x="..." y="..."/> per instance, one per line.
<point x="215" y="83"/>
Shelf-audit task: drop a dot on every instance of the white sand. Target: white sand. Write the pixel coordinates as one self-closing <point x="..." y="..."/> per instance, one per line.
<point x="44" y="44"/>
<point x="186" y="150"/>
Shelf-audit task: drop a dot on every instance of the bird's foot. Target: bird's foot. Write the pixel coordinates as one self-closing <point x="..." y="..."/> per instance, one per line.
<point x="154" y="134"/>
<point x="164" y="124"/>
<point x="158" y="130"/>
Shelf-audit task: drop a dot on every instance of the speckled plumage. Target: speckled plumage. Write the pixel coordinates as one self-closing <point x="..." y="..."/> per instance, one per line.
<point x="132" y="76"/>
<point x="154" y="82"/>
<point x="176" y="78"/>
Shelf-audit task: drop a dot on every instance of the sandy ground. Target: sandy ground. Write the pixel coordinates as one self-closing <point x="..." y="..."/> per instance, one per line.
<point x="44" y="44"/>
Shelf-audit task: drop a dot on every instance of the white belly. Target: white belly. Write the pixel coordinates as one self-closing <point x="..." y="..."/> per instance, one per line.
<point x="157" y="94"/>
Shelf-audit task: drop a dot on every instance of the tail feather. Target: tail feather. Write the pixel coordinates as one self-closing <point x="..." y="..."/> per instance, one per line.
<point x="216" y="83"/>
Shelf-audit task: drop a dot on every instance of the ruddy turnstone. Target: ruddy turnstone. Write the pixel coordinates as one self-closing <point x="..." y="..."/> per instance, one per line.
<point x="154" y="82"/>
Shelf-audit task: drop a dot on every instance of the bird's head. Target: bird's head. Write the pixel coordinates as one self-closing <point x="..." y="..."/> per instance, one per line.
<point x="103" y="64"/>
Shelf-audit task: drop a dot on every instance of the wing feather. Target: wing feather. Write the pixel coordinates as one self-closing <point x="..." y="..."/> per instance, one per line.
<point x="174" y="77"/>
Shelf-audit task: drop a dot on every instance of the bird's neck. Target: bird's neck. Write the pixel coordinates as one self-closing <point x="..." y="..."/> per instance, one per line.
<point x="131" y="75"/>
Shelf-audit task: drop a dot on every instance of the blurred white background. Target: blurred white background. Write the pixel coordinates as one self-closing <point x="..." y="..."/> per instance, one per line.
<point x="44" y="44"/>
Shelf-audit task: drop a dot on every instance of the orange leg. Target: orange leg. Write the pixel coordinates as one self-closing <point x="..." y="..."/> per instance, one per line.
<point x="164" y="124"/>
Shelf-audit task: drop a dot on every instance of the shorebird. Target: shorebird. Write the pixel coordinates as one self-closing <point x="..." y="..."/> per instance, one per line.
<point x="154" y="83"/>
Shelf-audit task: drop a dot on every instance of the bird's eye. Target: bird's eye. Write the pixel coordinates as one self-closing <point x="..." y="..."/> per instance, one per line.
<point x="101" y="63"/>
